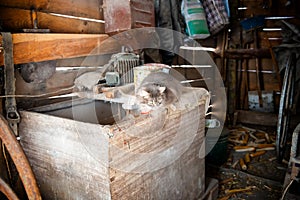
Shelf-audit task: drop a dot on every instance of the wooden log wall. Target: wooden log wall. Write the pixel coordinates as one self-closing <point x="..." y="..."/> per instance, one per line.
<point x="81" y="8"/>
<point x="34" y="47"/>
<point x="76" y="38"/>
<point x="16" y="15"/>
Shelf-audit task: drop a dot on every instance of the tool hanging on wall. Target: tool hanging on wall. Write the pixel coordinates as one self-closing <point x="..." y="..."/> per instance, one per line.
<point x="275" y="63"/>
<point x="258" y="68"/>
<point x="253" y="24"/>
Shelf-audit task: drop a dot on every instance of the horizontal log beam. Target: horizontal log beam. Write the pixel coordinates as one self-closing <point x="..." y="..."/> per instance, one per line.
<point x="80" y="8"/>
<point x="247" y="53"/>
<point x="36" y="47"/>
<point x="261" y="118"/>
<point x="14" y="20"/>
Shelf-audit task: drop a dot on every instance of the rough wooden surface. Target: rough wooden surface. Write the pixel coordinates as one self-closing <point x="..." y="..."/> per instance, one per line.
<point x="125" y="15"/>
<point x="15" y="20"/>
<point x="162" y="164"/>
<point x="65" y="167"/>
<point x="58" y="81"/>
<point x="80" y="8"/>
<point x="91" y="61"/>
<point x="153" y="156"/>
<point x="33" y="47"/>
<point x="261" y="118"/>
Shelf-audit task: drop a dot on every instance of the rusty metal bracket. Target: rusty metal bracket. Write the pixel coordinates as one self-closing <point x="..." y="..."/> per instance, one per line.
<point x="12" y="114"/>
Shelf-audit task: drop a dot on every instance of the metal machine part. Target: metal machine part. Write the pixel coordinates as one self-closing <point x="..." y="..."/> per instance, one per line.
<point x="123" y="63"/>
<point x="117" y="72"/>
<point x="112" y="78"/>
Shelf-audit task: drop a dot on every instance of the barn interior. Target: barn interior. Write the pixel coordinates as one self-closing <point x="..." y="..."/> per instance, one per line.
<point x="79" y="118"/>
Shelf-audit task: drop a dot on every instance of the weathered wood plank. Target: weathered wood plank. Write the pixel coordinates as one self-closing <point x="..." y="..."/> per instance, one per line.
<point x="68" y="161"/>
<point x="125" y="15"/>
<point x="80" y="8"/>
<point x="261" y="118"/>
<point x="58" y="81"/>
<point x="91" y="61"/>
<point x="258" y="118"/>
<point x="247" y="53"/>
<point x="175" y="172"/>
<point x="148" y="157"/>
<point x="15" y="20"/>
<point x="33" y="47"/>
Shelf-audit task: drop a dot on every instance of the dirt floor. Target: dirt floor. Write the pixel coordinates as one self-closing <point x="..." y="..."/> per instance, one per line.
<point x="245" y="164"/>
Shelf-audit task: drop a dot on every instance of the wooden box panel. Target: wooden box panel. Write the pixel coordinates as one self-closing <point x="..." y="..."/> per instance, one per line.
<point x="148" y="157"/>
<point x="165" y="165"/>
<point x="63" y="166"/>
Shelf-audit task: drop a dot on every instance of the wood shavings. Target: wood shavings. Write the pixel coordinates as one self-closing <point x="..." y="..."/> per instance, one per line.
<point x="242" y="164"/>
<point x="235" y="141"/>
<point x="243" y="148"/>
<point x="235" y="164"/>
<point x="260" y="140"/>
<point x="267" y="187"/>
<point x="226" y="181"/>
<point x="256" y="154"/>
<point x="225" y="197"/>
<point x="249" y="188"/>
<point x="272" y="159"/>
<point x="266" y="149"/>
<point x="247" y="158"/>
<point x="251" y="134"/>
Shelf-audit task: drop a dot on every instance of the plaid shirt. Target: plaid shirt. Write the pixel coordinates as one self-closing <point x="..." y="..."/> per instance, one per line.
<point x="216" y="15"/>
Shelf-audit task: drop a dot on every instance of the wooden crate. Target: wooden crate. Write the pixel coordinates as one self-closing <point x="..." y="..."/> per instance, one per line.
<point x="138" y="158"/>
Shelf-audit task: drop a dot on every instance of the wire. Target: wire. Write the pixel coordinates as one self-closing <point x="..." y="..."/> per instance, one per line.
<point x="37" y="95"/>
<point x="286" y="189"/>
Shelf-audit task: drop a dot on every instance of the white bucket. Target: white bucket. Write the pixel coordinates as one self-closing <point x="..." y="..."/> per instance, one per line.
<point x="143" y="71"/>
